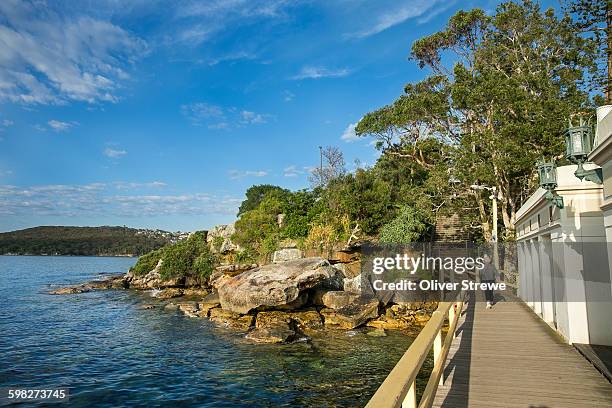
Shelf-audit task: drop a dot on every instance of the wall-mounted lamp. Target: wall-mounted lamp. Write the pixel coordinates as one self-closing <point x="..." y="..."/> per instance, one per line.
<point x="578" y="145"/>
<point x="547" y="172"/>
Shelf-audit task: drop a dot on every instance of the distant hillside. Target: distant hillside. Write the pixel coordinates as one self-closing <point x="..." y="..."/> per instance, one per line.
<point x="89" y="241"/>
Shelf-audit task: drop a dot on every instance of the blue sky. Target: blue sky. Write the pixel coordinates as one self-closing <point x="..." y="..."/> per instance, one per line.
<point x="161" y="114"/>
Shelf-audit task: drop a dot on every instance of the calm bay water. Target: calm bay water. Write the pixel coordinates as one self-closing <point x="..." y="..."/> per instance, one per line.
<point x="109" y="352"/>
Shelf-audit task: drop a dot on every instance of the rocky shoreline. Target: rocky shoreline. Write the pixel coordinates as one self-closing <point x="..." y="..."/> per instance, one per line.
<point x="281" y="302"/>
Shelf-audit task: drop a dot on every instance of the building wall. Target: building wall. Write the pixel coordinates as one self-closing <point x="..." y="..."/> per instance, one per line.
<point x="559" y="252"/>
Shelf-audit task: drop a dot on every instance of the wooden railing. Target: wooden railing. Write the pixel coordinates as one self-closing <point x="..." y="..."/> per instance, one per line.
<point x="399" y="388"/>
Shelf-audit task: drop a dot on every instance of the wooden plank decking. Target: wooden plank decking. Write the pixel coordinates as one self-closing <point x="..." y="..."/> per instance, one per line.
<point x="507" y="357"/>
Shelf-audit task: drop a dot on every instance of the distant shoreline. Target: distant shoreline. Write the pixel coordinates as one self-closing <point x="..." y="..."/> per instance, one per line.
<point x="84" y="256"/>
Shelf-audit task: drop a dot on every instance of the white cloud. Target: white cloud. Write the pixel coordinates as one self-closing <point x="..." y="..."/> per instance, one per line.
<point x="219" y="118"/>
<point x="48" y="58"/>
<point x="310" y="72"/>
<point x="200" y="111"/>
<point x="288" y="96"/>
<point x="248" y="117"/>
<point x="6" y="123"/>
<point x="407" y="11"/>
<point x="60" y="126"/>
<point x="349" y="133"/>
<point x="114" y="153"/>
<point x="238" y="174"/>
<point x="99" y="199"/>
<point x="292" y="171"/>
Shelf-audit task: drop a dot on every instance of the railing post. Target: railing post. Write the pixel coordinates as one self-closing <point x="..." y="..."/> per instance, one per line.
<point x="437" y="349"/>
<point x="451" y="316"/>
<point x="410" y="400"/>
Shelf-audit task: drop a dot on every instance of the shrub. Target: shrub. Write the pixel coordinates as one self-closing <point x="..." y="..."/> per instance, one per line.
<point x="147" y="262"/>
<point x="188" y="257"/>
<point x="407" y="227"/>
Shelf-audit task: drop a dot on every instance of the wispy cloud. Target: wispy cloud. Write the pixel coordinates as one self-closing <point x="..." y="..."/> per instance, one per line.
<point x="349" y="133"/>
<point x="238" y="174"/>
<point x="6" y="123"/>
<point x="99" y="199"/>
<point x="217" y="117"/>
<point x="114" y="153"/>
<point x="405" y="12"/>
<point x="288" y="96"/>
<point x="311" y="72"/>
<point x="60" y="126"/>
<point x="48" y="58"/>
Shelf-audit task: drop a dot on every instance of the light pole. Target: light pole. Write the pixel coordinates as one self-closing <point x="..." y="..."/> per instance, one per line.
<point x="321" y="165"/>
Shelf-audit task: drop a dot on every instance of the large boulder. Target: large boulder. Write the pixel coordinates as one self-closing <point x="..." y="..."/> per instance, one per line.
<point x="352" y="316"/>
<point x="275" y="285"/>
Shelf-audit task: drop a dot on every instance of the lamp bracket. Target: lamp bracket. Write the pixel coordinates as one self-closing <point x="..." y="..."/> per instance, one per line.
<point x="593" y="175"/>
<point x="554" y="198"/>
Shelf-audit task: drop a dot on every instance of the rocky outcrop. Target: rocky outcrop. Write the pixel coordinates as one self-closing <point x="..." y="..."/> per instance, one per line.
<point x="286" y="254"/>
<point x="231" y="319"/>
<point x="70" y="290"/>
<point x="220" y="238"/>
<point x="275" y="285"/>
<point x="352" y="316"/>
<point x="168" y="293"/>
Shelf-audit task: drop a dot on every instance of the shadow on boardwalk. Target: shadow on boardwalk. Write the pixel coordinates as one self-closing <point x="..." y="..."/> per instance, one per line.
<point x="507" y="357"/>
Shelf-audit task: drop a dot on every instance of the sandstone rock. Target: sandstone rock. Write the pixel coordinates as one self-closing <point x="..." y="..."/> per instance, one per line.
<point x="195" y="292"/>
<point x="308" y="319"/>
<point x="385" y="322"/>
<point x="189" y="308"/>
<point x="352" y="284"/>
<point x="235" y="269"/>
<point x="349" y="270"/>
<point x="336" y="299"/>
<point x="70" y="290"/>
<point x="278" y="334"/>
<point x="231" y="319"/>
<point x="272" y="327"/>
<point x="286" y="254"/>
<point x="219" y="238"/>
<point x="169" y="293"/>
<point x="351" y="317"/>
<point x="273" y="285"/>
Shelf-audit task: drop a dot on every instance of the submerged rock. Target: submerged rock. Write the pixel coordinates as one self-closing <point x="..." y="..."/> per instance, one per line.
<point x="274" y="285"/>
<point x="70" y="290"/>
<point x="377" y="333"/>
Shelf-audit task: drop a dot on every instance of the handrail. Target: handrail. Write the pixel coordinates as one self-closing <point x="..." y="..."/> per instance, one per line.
<point x="399" y="388"/>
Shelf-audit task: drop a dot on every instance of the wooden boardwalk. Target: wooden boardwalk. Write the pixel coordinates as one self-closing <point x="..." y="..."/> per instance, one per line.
<point x="507" y="357"/>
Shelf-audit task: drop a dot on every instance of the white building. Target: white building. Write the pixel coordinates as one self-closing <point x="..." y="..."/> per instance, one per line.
<point x="564" y="253"/>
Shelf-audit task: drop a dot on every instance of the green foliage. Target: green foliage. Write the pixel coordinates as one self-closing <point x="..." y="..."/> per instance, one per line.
<point x="255" y="194"/>
<point x="83" y="241"/>
<point x="188" y="257"/>
<point x="363" y="197"/>
<point x="147" y="262"/>
<point x="407" y="227"/>
<point x="497" y="101"/>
